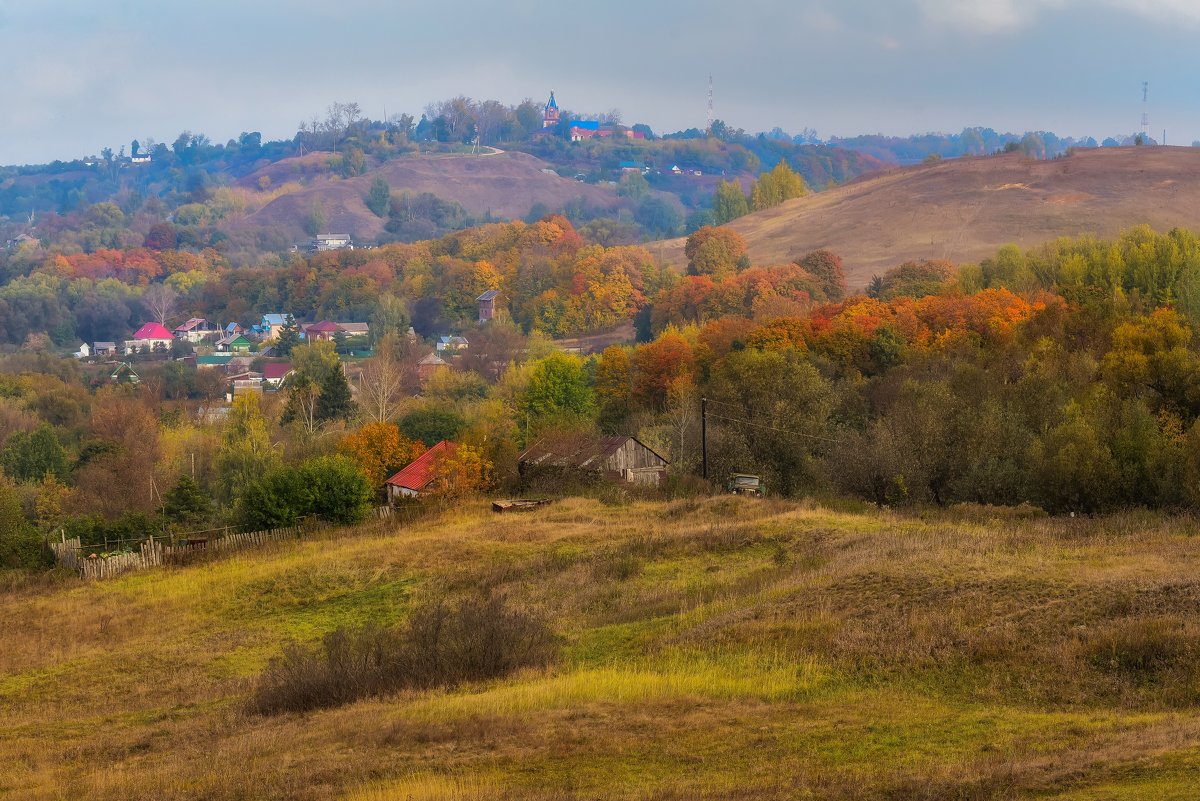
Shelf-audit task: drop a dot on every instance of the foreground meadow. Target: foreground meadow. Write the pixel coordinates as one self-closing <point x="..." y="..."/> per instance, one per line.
<point x="724" y="648"/>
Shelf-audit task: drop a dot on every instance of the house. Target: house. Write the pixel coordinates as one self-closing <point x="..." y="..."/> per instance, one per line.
<point x="140" y="158"/>
<point x="632" y="166"/>
<point x="451" y="344"/>
<point x="234" y="328"/>
<point x="420" y="477"/>
<point x="104" y="348"/>
<point x="271" y="325"/>
<point x="151" y="337"/>
<point x="124" y="374"/>
<point x="197" y="330"/>
<point x="355" y="329"/>
<point x="83" y="352"/>
<point x="487" y="305"/>
<point x="220" y="360"/>
<point x="675" y="169"/>
<point x="247" y="382"/>
<point x="430" y="365"/>
<point x="21" y="239"/>
<point x="325" y="242"/>
<point x="323" y="331"/>
<point x="234" y="343"/>
<point x="275" y="373"/>
<point x="616" y="458"/>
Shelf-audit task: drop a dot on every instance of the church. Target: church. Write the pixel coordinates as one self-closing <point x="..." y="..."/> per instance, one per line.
<point x="582" y="129"/>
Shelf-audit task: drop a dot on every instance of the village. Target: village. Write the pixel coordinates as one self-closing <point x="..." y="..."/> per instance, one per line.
<point x="237" y="360"/>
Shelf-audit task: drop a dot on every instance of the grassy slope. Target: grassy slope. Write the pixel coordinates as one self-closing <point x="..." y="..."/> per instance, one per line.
<point x="721" y="649"/>
<point x="964" y="209"/>
<point x="507" y="184"/>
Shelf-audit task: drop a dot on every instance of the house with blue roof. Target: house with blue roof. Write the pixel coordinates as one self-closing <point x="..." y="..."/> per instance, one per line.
<point x="270" y="325"/>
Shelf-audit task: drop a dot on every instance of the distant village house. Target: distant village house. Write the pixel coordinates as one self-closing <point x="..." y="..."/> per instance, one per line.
<point x="150" y="338"/>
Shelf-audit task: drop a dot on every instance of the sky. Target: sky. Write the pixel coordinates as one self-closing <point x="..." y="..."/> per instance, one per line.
<point x="77" y="75"/>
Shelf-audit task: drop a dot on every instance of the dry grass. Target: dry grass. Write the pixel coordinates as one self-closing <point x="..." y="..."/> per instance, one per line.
<point x="722" y="649"/>
<point x="965" y="209"/>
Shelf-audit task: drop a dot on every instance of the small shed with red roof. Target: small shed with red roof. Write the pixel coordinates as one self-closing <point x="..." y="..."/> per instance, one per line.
<point x="418" y="478"/>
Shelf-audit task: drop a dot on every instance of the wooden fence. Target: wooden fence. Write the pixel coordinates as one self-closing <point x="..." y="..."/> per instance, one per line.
<point x="159" y="551"/>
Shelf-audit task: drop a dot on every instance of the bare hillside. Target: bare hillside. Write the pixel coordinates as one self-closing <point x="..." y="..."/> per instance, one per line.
<point x="506" y="184"/>
<point x="963" y="210"/>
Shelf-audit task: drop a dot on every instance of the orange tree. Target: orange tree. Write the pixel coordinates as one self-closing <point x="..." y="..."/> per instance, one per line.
<point x="379" y="450"/>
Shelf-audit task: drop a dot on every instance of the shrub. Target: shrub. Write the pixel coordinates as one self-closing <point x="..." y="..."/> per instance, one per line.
<point x="1141" y="649"/>
<point x="443" y="645"/>
<point x="330" y="487"/>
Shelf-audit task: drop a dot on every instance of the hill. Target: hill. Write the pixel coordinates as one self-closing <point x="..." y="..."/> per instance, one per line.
<point x="505" y="184"/>
<point x="723" y="648"/>
<point x="963" y="210"/>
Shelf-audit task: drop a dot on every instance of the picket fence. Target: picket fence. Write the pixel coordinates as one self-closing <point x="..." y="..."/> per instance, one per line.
<point x="156" y="552"/>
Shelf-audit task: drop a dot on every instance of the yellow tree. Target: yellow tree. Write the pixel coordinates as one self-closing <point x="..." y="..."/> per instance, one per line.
<point x="379" y="450"/>
<point x="776" y="186"/>
<point x="462" y="471"/>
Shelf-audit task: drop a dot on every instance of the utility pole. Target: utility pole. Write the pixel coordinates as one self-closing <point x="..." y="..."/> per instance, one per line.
<point x="1145" y="112"/>
<point x="708" y="130"/>
<point x="704" y="436"/>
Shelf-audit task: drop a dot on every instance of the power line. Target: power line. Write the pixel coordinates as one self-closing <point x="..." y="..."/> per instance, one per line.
<point x="771" y="428"/>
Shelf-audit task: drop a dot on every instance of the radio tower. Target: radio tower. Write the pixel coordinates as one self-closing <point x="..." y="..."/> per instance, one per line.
<point x="710" y="105"/>
<point x="1146" y="112"/>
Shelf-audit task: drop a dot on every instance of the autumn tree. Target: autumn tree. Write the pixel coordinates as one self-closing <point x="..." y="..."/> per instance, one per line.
<point x="661" y="367"/>
<point x="729" y="202"/>
<point x="380" y="450"/>
<point x="776" y="186"/>
<point x="773" y="417"/>
<point x="246" y="451"/>
<point x="389" y="317"/>
<point x="558" y="393"/>
<point x="826" y="267"/>
<point x="463" y="470"/>
<point x="715" y="252"/>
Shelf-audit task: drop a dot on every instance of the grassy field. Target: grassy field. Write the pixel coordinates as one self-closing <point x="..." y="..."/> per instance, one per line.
<point x="715" y="649"/>
<point x="965" y="209"/>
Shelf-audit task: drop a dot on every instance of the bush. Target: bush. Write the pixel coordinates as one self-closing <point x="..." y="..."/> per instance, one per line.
<point x="443" y="645"/>
<point x="1142" y="649"/>
<point x="330" y="487"/>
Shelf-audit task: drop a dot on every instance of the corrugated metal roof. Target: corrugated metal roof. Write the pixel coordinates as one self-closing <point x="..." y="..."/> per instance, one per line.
<point x="417" y="475"/>
<point x="153" y="331"/>
<point x="583" y="453"/>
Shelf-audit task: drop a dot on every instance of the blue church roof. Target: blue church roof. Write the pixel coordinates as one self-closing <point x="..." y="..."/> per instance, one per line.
<point x="552" y="103"/>
<point x="586" y="125"/>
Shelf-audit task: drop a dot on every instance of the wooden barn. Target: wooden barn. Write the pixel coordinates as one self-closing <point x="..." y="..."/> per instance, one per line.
<point x="616" y="458"/>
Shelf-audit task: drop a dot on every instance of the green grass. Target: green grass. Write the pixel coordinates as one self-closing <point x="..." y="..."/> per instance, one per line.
<point x="721" y="649"/>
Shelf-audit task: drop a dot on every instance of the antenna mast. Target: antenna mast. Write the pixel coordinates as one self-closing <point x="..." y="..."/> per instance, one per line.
<point x="1146" y="112"/>
<point x="710" y="105"/>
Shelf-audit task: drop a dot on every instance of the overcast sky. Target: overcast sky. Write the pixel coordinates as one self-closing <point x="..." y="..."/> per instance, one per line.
<point x="79" y="75"/>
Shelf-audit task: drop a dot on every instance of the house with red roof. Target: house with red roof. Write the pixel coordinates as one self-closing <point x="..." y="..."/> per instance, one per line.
<point x="420" y="477"/>
<point x="150" y="338"/>
<point x="322" y="331"/>
<point x="275" y="373"/>
<point x="197" y="330"/>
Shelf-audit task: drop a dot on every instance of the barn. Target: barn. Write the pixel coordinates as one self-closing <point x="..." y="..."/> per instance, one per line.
<point x="615" y="458"/>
